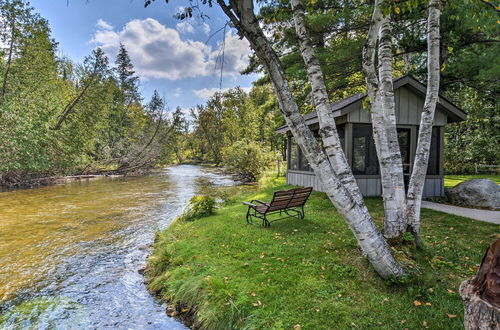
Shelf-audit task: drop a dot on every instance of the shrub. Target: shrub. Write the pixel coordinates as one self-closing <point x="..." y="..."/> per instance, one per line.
<point x="198" y="207"/>
<point x="247" y="159"/>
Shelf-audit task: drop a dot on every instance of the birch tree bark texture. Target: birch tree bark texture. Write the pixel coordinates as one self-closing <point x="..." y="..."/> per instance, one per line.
<point x="241" y="13"/>
<point x="417" y="179"/>
<point x="382" y="107"/>
<point x="402" y="211"/>
<point x="328" y="129"/>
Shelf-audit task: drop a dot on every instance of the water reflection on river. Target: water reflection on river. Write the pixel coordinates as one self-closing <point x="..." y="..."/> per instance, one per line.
<point x="70" y="254"/>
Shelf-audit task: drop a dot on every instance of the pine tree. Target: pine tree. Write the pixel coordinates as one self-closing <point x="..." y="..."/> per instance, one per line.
<point x="126" y="77"/>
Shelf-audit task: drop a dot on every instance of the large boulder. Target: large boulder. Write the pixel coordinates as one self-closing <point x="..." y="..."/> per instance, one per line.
<point x="475" y="193"/>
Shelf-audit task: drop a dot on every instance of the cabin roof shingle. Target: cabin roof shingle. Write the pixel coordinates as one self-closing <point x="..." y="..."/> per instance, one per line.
<point x="454" y="113"/>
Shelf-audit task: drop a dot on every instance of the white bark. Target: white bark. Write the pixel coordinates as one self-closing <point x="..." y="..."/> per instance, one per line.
<point x="356" y="216"/>
<point x="328" y="129"/>
<point x="417" y="180"/>
<point x="381" y="94"/>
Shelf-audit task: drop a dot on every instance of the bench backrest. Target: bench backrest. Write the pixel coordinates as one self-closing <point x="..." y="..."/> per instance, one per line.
<point x="289" y="198"/>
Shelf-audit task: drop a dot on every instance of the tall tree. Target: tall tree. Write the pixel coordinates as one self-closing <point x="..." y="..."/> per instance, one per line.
<point x="126" y="77"/>
<point x="382" y="109"/>
<point x="331" y="166"/>
<point x="242" y="15"/>
<point x="16" y="18"/>
<point x="417" y="179"/>
<point x="95" y="69"/>
<point x="401" y="211"/>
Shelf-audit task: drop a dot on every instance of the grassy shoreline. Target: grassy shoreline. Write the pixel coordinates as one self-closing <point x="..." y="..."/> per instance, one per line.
<point x="226" y="274"/>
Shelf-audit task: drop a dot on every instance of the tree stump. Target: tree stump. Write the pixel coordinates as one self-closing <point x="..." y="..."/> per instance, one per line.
<point x="481" y="294"/>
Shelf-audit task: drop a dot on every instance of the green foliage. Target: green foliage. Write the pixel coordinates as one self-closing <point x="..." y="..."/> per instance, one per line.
<point x="247" y="159"/>
<point x="59" y="117"/>
<point x="198" y="207"/>
<point x="474" y="141"/>
<point x="469" y="57"/>
<point x="233" y="116"/>
<point x="310" y="272"/>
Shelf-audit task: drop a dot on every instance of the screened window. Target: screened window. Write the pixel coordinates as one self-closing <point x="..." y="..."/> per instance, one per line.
<point x="404" y="146"/>
<point x="364" y="155"/>
<point x="341" y="131"/>
<point x="298" y="160"/>
<point x="433" y="166"/>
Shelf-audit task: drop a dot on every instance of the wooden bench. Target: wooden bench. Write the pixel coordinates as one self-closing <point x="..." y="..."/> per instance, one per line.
<point x="291" y="202"/>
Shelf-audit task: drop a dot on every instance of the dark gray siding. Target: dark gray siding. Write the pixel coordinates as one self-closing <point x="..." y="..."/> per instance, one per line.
<point x="369" y="186"/>
<point x="408" y="110"/>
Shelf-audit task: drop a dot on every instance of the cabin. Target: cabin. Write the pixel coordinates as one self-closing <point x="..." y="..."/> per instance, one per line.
<point x="354" y="127"/>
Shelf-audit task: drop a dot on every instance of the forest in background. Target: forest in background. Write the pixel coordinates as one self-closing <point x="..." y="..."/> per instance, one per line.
<point x="58" y="117"/>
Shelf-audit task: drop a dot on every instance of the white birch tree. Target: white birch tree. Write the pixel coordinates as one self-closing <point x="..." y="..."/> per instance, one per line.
<point x="329" y="162"/>
<point x="417" y="179"/>
<point x="382" y="107"/>
<point x="331" y="167"/>
<point x="402" y="211"/>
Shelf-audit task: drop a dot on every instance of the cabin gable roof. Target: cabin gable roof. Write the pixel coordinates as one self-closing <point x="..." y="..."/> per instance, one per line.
<point x="343" y="107"/>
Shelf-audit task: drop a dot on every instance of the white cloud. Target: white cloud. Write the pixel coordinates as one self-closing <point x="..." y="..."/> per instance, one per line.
<point x="177" y="92"/>
<point x="159" y="52"/>
<point x="206" y="93"/>
<point x="189" y="26"/>
<point x="103" y="25"/>
<point x="206" y="28"/>
<point x="184" y="27"/>
<point x="236" y="52"/>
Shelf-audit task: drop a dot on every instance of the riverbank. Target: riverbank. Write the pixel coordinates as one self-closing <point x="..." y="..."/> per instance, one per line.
<point x="16" y="180"/>
<point x="71" y="253"/>
<point x="223" y="273"/>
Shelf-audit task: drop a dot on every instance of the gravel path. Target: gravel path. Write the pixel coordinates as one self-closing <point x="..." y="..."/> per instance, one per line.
<point x="481" y="215"/>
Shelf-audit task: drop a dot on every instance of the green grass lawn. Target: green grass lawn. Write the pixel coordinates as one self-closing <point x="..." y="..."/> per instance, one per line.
<point x="451" y="181"/>
<point x="310" y="272"/>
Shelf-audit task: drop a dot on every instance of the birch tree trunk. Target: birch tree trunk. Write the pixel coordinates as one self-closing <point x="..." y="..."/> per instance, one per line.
<point x="328" y="129"/>
<point x="417" y="180"/>
<point x="241" y="13"/>
<point x="383" y="114"/>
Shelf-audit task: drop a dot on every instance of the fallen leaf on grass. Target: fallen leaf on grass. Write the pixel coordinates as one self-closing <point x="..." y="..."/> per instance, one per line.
<point x="451" y="316"/>
<point x="417" y="303"/>
<point x="297" y="327"/>
<point x="424" y="324"/>
<point x="428" y="304"/>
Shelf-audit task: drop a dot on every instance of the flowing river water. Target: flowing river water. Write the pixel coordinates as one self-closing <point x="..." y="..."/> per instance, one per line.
<point x="70" y="254"/>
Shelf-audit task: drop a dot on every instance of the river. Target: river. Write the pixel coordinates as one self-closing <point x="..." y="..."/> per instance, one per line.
<point x="70" y="254"/>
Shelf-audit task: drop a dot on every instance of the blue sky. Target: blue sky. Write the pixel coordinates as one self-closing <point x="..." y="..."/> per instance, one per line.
<point x="169" y="55"/>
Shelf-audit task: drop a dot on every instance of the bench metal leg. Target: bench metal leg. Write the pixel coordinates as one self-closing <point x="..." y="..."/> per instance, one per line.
<point x="266" y="222"/>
